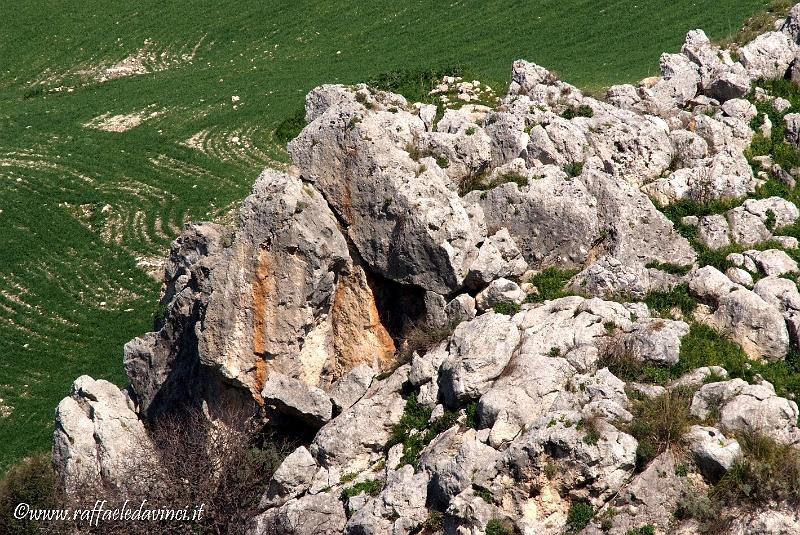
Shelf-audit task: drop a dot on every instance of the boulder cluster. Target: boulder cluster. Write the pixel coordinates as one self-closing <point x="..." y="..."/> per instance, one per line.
<point x="398" y="266"/>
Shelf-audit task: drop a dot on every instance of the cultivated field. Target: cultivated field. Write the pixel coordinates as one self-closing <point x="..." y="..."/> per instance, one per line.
<point x="121" y="121"/>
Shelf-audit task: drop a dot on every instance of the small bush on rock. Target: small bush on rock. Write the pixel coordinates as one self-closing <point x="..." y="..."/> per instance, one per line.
<point x="578" y="516"/>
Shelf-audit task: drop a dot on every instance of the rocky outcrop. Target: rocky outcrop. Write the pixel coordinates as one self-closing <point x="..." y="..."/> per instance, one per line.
<point x="386" y="302"/>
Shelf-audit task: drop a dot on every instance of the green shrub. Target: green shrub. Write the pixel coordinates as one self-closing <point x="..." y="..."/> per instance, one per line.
<point x="659" y="423"/>
<point x="415" y="430"/>
<point x="647" y="529"/>
<point x="435" y="521"/>
<point x="290" y="127"/>
<point x="579" y="515"/>
<point x="483" y="493"/>
<point x="496" y="526"/>
<point x="666" y="267"/>
<point x="665" y="302"/>
<point x="508" y="309"/>
<point x="30" y="481"/>
<point x="370" y="487"/>
<point x="581" y="111"/>
<point x="573" y="169"/>
<point x="550" y="283"/>
<point x="472" y="415"/>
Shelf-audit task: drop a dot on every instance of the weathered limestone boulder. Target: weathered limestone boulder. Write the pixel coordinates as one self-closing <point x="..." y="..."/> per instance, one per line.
<point x="720" y="77"/>
<point x="552" y="220"/>
<point x="752" y="322"/>
<point x="713" y="231"/>
<point x="292" y="478"/>
<point x="752" y="408"/>
<point x="650" y="498"/>
<point x="100" y="440"/>
<point x="609" y="277"/>
<point x="746" y="228"/>
<point x="783" y="521"/>
<point x="768" y="56"/>
<point x="499" y="292"/>
<point x="456" y="462"/>
<point x="699" y="376"/>
<point x="778" y="292"/>
<point x="713" y="453"/>
<point x="352" y="387"/>
<point x="297" y="400"/>
<point x="162" y="366"/>
<point x="403" y="216"/>
<point x="655" y="340"/>
<point x="784" y="212"/>
<point x="710" y="284"/>
<point x="498" y="257"/>
<point x="773" y="262"/>
<point x="399" y="508"/>
<point x="355" y="439"/>
<point x="479" y="351"/>
<point x="311" y="514"/>
<point x="312" y="325"/>
<point x="680" y="79"/>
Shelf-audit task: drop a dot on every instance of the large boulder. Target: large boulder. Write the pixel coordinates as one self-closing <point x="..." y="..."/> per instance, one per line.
<point x="100" y="441"/>
<point x="402" y="215"/>
<point x="768" y="56"/>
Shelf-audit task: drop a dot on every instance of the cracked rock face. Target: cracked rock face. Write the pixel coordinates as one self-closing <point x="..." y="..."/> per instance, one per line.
<point x="379" y="299"/>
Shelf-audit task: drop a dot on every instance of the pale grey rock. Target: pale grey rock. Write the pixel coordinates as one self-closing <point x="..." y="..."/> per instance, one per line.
<point x="254" y="311"/>
<point x="457" y="464"/>
<point x="312" y="514"/>
<point x="295" y="399"/>
<point x="746" y="228"/>
<point x="784" y="521"/>
<point x="792" y="134"/>
<point x="479" y="351"/>
<point x="650" y="498"/>
<point x="774" y="262"/>
<point x="710" y="284"/>
<point x="356" y="438"/>
<point x="460" y="308"/>
<point x="656" y="340"/>
<point x="469" y="514"/>
<point x="498" y="257"/>
<point x="558" y="142"/>
<point x="423" y="235"/>
<point x="352" y="387"/>
<point x="636" y="230"/>
<point x="690" y="220"/>
<point x="508" y="137"/>
<point x="500" y="291"/>
<point x="609" y="277"/>
<point x="787" y="242"/>
<point x="781" y="104"/>
<point x="690" y="149"/>
<point x="552" y="221"/>
<point x="785" y="212"/>
<point x="712" y="451"/>
<point x="779" y="292"/>
<point x="713" y="231"/>
<point x="750" y="408"/>
<point x="601" y="469"/>
<point x="398" y="509"/>
<point x="752" y="322"/>
<point x="739" y="276"/>
<point x="292" y="478"/>
<point x="100" y="440"/>
<point x="740" y="108"/>
<point x="730" y="82"/>
<point x="680" y="79"/>
<point x="698" y="376"/>
<point x="791" y="24"/>
<point x="768" y="56"/>
<point x="647" y="390"/>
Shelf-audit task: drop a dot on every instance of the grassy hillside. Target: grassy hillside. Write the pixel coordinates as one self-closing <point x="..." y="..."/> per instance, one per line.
<point x="98" y="173"/>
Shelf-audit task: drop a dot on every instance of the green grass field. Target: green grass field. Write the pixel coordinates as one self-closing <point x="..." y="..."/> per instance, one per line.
<point x="80" y="205"/>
